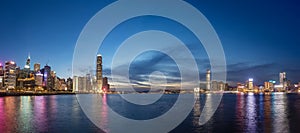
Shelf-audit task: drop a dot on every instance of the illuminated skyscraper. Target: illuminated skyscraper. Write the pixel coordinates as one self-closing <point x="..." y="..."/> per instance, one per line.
<point x="99" y="72"/>
<point x="47" y="77"/>
<point x="10" y="75"/>
<point x="208" y="79"/>
<point x="37" y="67"/>
<point x="105" y="86"/>
<point x="283" y="80"/>
<point x="38" y="79"/>
<point x="27" y="65"/>
<point x="250" y="84"/>
<point x="1" y="76"/>
<point x="1" y="70"/>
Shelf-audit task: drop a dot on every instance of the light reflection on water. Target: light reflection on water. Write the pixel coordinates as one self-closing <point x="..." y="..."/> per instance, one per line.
<point x="236" y="113"/>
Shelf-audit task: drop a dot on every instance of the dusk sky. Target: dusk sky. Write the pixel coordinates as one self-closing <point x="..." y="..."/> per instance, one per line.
<point x="260" y="38"/>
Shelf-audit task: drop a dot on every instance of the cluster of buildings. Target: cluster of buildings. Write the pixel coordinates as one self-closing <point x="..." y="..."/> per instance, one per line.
<point x="90" y="83"/>
<point x="284" y="85"/>
<point x="15" y="78"/>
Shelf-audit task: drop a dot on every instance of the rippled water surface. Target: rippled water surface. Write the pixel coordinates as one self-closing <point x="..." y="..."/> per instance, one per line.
<point x="236" y="113"/>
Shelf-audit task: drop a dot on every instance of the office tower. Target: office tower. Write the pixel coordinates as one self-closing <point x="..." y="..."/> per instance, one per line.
<point x="221" y="86"/>
<point x="47" y="77"/>
<point x="99" y="72"/>
<point x="1" y="70"/>
<point x="89" y="82"/>
<point x="250" y="84"/>
<point x="39" y="79"/>
<point x="208" y="79"/>
<point x="267" y="85"/>
<point x="27" y="64"/>
<point x="283" y="80"/>
<point x="105" y="87"/>
<point x="1" y="76"/>
<point x="37" y="67"/>
<point x="79" y="84"/>
<point x="214" y="85"/>
<point x="10" y="75"/>
<point x="70" y="84"/>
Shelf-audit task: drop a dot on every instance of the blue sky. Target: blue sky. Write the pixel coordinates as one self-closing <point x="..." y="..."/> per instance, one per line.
<point x="260" y="38"/>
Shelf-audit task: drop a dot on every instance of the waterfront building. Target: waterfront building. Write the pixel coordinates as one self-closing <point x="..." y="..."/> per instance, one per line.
<point x="221" y="86"/>
<point x="214" y="85"/>
<point x="10" y="75"/>
<point x="99" y="72"/>
<point x="47" y="77"/>
<point x="250" y="84"/>
<point x="79" y="84"/>
<point x="1" y="70"/>
<point x="39" y="79"/>
<point x="88" y="83"/>
<point x="36" y="67"/>
<point x="27" y="64"/>
<point x="208" y="83"/>
<point x="70" y="84"/>
<point x="283" y="80"/>
<point x="1" y="76"/>
<point x="105" y="87"/>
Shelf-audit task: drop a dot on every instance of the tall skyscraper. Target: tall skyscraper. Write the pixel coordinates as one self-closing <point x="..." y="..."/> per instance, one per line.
<point x="250" y="84"/>
<point x="39" y="79"/>
<point x="1" y="70"/>
<point x="37" y="67"/>
<point x="283" y="80"/>
<point x="10" y="77"/>
<point x="208" y="79"/>
<point x="47" y="77"/>
<point x="27" y="65"/>
<point x="105" y="86"/>
<point x="99" y="72"/>
<point x="1" y="76"/>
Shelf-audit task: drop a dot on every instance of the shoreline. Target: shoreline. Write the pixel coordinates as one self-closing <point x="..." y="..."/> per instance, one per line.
<point x="4" y="94"/>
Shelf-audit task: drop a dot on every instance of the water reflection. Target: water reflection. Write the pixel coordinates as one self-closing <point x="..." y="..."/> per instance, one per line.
<point x="262" y="113"/>
<point x="40" y="114"/>
<point x="196" y="110"/>
<point x="267" y="113"/>
<point x="236" y="113"/>
<point x="251" y="118"/>
<point x="25" y="114"/>
<point x="240" y="112"/>
<point x="279" y="113"/>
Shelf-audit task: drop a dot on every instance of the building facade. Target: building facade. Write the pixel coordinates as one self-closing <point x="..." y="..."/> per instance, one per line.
<point x="10" y="75"/>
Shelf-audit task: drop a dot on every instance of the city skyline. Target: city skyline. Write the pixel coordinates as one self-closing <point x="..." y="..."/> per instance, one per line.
<point x="257" y="43"/>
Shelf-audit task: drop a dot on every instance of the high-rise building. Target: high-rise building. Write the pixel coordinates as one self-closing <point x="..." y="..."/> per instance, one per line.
<point x="1" y="70"/>
<point x="208" y="80"/>
<point x="79" y="84"/>
<point x="37" y="67"/>
<point x="283" y="80"/>
<point x="214" y="85"/>
<point x="89" y="82"/>
<point x="105" y="87"/>
<point x="39" y="79"/>
<point x="70" y="84"/>
<point x="47" y="77"/>
<point x="1" y="76"/>
<point x="221" y="86"/>
<point x="27" y="65"/>
<point x="99" y="72"/>
<point x="250" y="84"/>
<point x="10" y="75"/>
